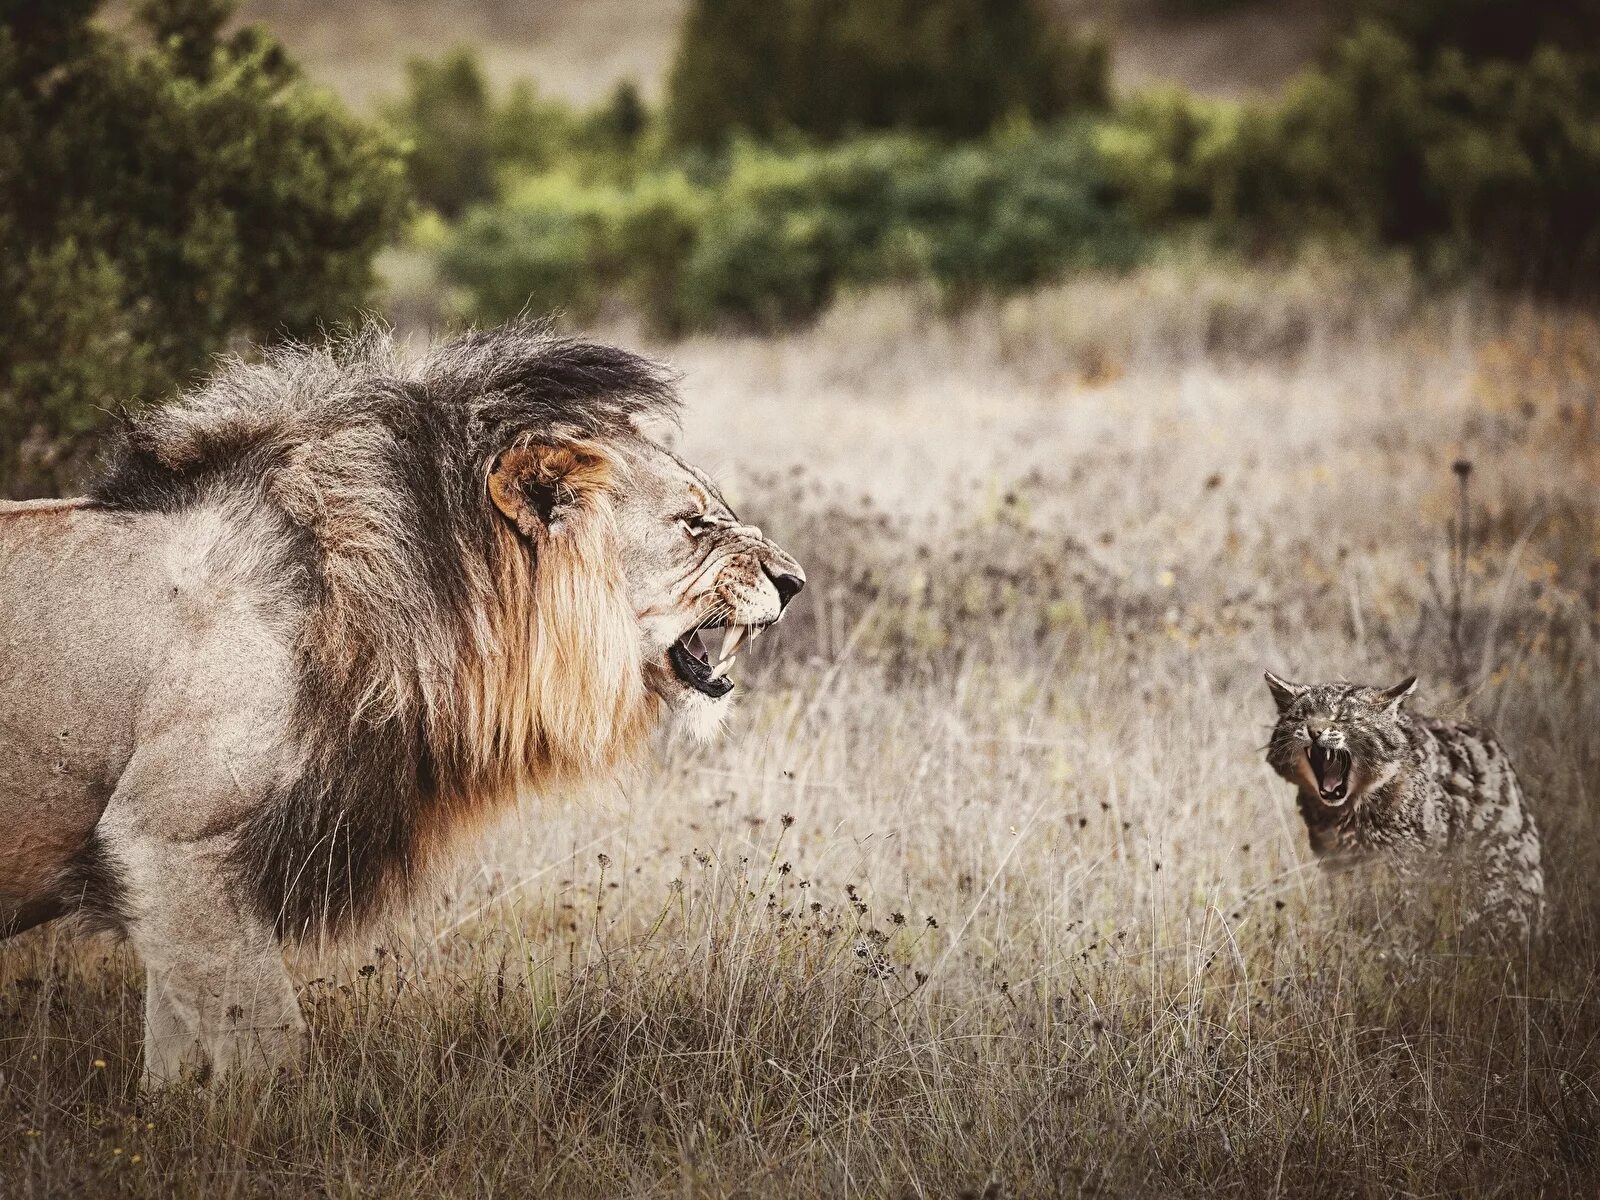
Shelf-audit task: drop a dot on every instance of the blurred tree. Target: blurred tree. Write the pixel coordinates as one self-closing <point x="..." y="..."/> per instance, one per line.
<point x="459" y="142"/>
<point x="446" y="120"/>
<point x="770" y="238"/>
<point x="620" y="121"/>
<point x="157" y="203"/>
<point x="726" y="75"/>
<point x="1485" y="29"/>
<point x="1488" y="163"/>
<point x="828" y="68"/>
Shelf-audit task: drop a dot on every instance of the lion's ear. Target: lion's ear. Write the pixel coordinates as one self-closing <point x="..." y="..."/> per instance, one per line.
<point x="538" y="487"/>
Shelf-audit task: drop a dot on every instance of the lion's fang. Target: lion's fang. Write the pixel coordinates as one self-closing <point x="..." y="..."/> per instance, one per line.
<point x="731" y="641"/>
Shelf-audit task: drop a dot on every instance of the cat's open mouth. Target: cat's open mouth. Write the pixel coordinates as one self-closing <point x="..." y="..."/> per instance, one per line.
<point x="1331" y="769"/>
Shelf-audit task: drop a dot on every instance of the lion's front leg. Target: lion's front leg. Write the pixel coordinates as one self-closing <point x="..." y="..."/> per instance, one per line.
<point x="218" y="1011"/>
<point x="217" y="995"/>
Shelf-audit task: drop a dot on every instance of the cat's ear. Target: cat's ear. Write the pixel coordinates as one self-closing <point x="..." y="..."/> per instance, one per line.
<point x="1284" y="692"/>
<point x="1395" y="696"/>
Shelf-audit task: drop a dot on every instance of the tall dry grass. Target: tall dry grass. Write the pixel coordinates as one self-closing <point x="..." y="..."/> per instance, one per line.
<point x="988" y="891"/>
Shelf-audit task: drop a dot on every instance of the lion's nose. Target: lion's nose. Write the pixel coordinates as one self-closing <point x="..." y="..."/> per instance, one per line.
<point x="788" y="585"/>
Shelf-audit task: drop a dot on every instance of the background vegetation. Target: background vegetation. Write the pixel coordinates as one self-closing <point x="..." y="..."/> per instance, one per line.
<point x="1083" y="405"/>
<point x="829" y="68"/>
<point x="1422" y="130"/>
<point x="800" y="148"/>
<point x="159" y="200"/>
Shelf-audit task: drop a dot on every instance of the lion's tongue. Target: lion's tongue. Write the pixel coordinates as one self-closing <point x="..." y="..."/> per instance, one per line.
<point x="701" y="646"/>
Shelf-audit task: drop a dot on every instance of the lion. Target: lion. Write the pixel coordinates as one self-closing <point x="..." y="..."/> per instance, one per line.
<point x="324" y="615"/>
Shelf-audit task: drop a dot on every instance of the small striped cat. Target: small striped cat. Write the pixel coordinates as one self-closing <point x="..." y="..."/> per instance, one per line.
<point x="1375" y="779"/>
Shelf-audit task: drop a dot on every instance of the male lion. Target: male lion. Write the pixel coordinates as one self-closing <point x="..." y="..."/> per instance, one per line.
<point x="324" y="613"/>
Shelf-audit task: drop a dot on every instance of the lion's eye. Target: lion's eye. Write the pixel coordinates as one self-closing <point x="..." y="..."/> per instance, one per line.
<point x="693" y="525"/>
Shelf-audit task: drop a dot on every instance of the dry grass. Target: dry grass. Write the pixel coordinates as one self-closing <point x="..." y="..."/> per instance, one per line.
<point x="1043" y="922"/>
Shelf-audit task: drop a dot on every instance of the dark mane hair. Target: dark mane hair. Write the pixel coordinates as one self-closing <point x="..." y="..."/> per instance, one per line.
<point x="424" y="675"/>
<point x="465" y="400"/>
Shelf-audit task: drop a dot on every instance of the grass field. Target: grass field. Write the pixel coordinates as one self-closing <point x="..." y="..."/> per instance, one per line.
<point x="988" y="890"/>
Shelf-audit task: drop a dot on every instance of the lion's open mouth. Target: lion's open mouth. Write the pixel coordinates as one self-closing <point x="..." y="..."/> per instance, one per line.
<point x="1331" y="768"/>
<point x="701" y="662"/>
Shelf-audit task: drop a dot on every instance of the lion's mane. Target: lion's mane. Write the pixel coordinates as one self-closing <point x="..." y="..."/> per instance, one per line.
<point x="443" y="662"/>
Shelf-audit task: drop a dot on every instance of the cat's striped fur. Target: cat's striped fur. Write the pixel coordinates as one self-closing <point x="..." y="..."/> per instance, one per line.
<point x="1375" y="779"/>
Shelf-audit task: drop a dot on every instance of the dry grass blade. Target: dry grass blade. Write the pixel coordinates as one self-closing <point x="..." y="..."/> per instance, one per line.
<point x="1003" y="762"/>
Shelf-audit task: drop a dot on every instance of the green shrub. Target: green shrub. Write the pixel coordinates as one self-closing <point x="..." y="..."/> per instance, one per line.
<point x="159" y="201"/>
<point x="1510" y="30"/>
<point x="653" y="232"/>
<point x="1009" y="215"/>
<point x="1493" y="163"/>
<point x="828" y="68"/>
<point x="1157" y="151"/>
<point x="784" y="230"/>
<point x="768" y="236"/>
<point x="558" y="243"/>
<point x="457" y="139"/>
<point x="543" y="249"/>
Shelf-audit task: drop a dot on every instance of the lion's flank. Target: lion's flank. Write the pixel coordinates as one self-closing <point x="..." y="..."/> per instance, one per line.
<point x="444" y="660"/>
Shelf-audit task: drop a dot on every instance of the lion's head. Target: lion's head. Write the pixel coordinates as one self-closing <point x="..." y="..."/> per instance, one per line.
<point x="494" y="576"/>
<point x="674" y="583"/>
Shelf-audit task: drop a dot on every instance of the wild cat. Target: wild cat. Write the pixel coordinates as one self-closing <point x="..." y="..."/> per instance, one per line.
<point x="1375" y="779"/>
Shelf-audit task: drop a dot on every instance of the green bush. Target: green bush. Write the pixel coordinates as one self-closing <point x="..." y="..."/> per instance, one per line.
<point x="828" y="68"/>
<point x="1509" y="30"/>
<point x="1011" y="214"/>
<point x="767" y="237"/>
<point x="457" y="139"/>
<point x="158" y="202"/>
<point x="460" y="142"/>
<point x="558" y="243"/>
<point x="784" y="230"/>
<point x="542" y="250"/>
<point x="1493" y="163"/>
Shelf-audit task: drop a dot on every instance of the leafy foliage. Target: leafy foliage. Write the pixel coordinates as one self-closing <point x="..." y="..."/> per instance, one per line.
<point x="1490" y="162"/>
<point x="156" y="203"/>
<point x="457" y="138"/>
<point x="1512" y="30"/>
<point x="769" y="236"/>
<point x="827" y="68"/>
